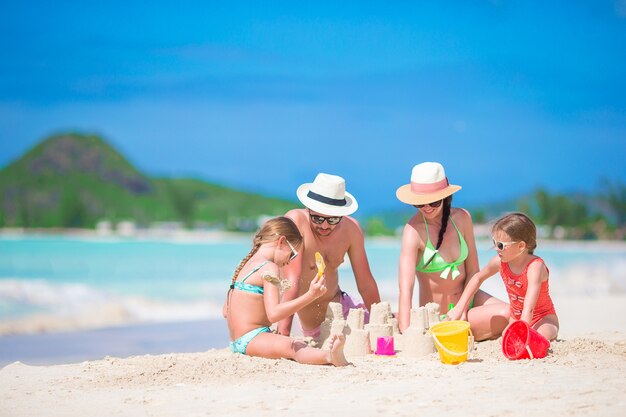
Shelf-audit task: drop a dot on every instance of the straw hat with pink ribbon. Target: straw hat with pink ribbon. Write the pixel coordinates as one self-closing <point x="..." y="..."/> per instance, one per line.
<point x="428" y="184"/>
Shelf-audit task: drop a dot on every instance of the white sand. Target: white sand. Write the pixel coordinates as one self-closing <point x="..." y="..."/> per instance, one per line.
<point x="582" y="375"/>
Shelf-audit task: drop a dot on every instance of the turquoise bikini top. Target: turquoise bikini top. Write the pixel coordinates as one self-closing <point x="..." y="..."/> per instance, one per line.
<point x="241" y="285"/>
<point x="433" y="262"/>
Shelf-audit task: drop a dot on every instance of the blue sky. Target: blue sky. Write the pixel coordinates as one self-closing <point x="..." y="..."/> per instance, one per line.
<point x="509" y="96"/>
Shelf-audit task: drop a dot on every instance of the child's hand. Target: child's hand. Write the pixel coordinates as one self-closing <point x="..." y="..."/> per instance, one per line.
<point x="454" y="314"/>
<point x="318" y="286"/>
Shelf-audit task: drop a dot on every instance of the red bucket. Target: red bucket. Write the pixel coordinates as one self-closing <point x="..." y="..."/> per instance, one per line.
<point x="520" y="341"/>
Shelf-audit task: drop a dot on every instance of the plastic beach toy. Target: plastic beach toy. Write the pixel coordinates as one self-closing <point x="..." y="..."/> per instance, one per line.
<point x="520" y="341"/>
<point x="384" y="346"/>
<point x="321" y="266"/>
<point x="452" y="339"/>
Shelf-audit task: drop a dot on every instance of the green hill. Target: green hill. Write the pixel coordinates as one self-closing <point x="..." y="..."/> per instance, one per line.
<point x="75" y="180"/>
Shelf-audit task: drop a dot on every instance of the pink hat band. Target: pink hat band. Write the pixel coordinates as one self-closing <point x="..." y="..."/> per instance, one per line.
<point x="418" y="188"/>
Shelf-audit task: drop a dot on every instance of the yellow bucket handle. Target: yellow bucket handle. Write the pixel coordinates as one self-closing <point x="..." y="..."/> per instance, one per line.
<point x="449" y="351"/>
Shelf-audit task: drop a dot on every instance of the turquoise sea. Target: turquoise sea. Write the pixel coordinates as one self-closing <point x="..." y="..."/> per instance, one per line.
<point x="151" y="280"/>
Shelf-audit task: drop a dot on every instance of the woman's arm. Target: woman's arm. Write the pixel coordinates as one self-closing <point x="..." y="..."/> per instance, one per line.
<point x="535" y="276"/>
<point x="406" y="274"/>
<point x="472" y="265"/>
<point x="472" y="286"/>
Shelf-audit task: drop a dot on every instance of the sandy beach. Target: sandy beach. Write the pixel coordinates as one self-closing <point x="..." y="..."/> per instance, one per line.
<point x="582" y="375"/>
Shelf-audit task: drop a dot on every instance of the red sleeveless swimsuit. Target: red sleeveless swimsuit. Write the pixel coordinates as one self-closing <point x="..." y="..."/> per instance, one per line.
<point x="516" y="287"/>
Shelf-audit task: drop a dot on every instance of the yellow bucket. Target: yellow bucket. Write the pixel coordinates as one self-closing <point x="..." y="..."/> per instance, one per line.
<point x="452" y="340"/>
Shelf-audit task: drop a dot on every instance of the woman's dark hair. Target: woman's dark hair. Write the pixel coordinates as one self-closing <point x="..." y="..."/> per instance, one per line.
<point x="445" y="215"/>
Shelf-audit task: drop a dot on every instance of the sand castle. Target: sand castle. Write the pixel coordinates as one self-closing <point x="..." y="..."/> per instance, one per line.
<point x="382" y="323"/>
<point x="361" y="338"/>
<point x="416" y="340"/>
<point x="357" y="339"/>
<point x="332" y="324"/>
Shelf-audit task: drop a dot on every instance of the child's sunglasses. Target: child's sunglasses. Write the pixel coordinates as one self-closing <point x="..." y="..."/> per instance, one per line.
<point x="294" y="252"/>
<point x="434" y="204"/>
<point x="501" y="245"/>
<point x="320" y="219"/>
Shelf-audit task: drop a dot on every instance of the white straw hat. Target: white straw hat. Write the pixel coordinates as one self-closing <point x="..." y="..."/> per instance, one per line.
<point x="327" y="195"/>
<point x="428" y="184"/>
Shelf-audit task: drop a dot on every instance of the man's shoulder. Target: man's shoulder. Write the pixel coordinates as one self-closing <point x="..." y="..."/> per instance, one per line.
<point x="352" y="221"/>
<point x="352" y="226"/>
<point x="297" y="214"/>
<point x="300" y="217"/>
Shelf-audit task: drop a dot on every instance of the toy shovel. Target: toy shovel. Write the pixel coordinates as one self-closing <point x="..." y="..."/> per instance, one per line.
<point x="319" y="262"/>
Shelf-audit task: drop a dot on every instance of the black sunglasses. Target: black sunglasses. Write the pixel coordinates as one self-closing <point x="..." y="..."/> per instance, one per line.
<point x="320" y="219"/>
<point x="434" y="204"/>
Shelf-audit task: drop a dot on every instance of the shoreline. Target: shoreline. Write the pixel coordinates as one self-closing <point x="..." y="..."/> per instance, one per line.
<point x="579" y="317"/>
<point x="63" y="347"/>
<point x="224" y="236"/>
<point x="115" y="318"/>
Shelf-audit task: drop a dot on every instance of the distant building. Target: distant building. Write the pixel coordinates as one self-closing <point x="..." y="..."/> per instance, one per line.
<point x="126" y="228"/>
<point x="104" y="227"/>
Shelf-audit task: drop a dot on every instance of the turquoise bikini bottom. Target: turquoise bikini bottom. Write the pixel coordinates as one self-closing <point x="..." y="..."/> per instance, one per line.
<point x="241" y="344"/>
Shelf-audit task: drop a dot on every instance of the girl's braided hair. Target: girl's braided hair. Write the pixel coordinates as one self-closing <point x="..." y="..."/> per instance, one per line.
<point x="271" y="231"/>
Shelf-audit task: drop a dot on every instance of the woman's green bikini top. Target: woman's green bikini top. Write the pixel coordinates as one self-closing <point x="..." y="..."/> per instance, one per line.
<point x="433" y="262"/>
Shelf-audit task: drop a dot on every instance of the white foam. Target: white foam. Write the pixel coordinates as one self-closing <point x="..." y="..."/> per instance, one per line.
<point x="71" y="300"/>
<point x="43" y="294"/>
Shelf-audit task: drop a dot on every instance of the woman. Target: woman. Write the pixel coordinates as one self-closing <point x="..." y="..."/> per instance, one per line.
<point x="438" y="246"/>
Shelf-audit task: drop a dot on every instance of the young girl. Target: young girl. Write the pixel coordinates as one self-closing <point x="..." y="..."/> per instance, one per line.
<point x="253" y="304"/>
<point x="525" y="276"/>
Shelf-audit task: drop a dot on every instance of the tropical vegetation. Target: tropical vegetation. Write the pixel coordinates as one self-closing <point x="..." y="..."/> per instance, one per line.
<point x="73" y="180"/>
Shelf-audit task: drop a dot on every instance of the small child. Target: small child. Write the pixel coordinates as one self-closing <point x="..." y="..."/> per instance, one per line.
<point x="253" y="301"/>
<point x="525" y="276"/>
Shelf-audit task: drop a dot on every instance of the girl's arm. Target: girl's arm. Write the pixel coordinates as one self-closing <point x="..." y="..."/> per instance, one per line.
<point x="277" y="311"/>
<point x="406" y="274"/>
<point x="472" y="286"/>
<point x="292" y="274"/>
<point x="535" y="274"/>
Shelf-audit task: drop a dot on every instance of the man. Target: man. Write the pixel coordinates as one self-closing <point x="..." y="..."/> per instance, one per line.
<point x="327" y="229"/>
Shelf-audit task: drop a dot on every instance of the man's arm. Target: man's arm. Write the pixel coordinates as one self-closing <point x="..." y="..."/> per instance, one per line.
<point x="360" y="266"/>
<point x="291" y="272"/>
